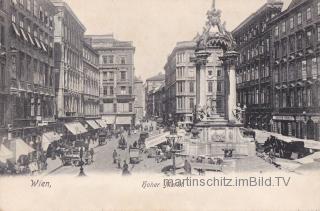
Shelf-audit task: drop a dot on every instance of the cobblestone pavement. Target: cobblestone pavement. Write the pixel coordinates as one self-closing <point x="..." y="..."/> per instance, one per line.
<point x="103" y="162"/>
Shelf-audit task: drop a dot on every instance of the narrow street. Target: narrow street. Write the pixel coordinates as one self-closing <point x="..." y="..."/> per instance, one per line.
<point x="103" y="161"/>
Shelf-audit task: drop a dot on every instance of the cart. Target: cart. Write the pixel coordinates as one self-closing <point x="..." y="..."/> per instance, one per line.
<point x="142" y="139"/>
<point x="135" y="156"/>
<point x="71" y="157"/>
<point x="102" y="138"/>
<point x="122" y="143"/>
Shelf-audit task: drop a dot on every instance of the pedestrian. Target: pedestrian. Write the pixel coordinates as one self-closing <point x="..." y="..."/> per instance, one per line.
<point x="119" y="162"/>
<point x="114" y="155"/>
<point x="125" y="169"/>
<point x="187" y="167"/>
<point x="91" y="153"/>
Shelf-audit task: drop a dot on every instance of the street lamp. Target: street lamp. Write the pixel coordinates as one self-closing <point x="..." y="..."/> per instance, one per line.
<point x="81" y="156"/>
<point x="81" y="174"/>
<point x="172" y="138"/>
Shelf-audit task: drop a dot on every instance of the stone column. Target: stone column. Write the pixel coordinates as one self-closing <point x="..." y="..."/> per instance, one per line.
<point x="201" y="61"/>
<point x="230" y="59"/>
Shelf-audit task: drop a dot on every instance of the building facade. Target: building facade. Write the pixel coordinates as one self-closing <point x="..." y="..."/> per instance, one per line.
<point x="30" y="66"/>
<point x="139" y="101"/>
<point x="180" y="83"/>
<point x="91" y="81"/>
<point x="68" y="37"/>
<point x="116" y="65"/>
<point x="151" y="84"/>
<point x="296" y="70"/>
<point x="254" y="73"/>
<point x="5" y="25"/>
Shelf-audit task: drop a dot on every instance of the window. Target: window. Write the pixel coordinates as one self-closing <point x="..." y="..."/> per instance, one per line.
<point x="123" y="90"/>
<point x="299" y="21"/>
<point x="123" y="60"/>
<point x="111" y="76"/>
<point x="284" y="100"/>
<point x="130" y="90"/>
<point x="191" y="86"/>
<point x="108" y="59"/>
<point x="284" y="47"/>
<point x="111" y="90"/>
<point x="219" y="72"/>
<point x="123" y="75"/>
<point x="291" y="21"/>
<point x="210" y="88"/>
<point x="130" y="107"/>
<point x="318" y="33"/>
<point x="309" y="15"/>
<point x="283" y="27"/>
<point x="276" y="31"/>
<point x="2" y="36"/>
<point x="291" y="98"/>
<point x="219" y="86"/>
<point x="309" y="38"/>
<point x="210" y="72"/>
<point x="299" y="41"/>
<point x="29" y="5"/>
<point x="191" y="100"/>
<point x="105" y="91"/>
<point x="292" y="44"/>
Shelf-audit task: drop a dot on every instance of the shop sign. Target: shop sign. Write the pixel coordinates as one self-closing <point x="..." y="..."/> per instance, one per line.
<point x="304" y="70"/>
<point x="314" y="68"/>
<point x="288" y="118"/>
<point x="285" y="118"/>
<point x="300" y="118"/>
<point x="315" y="119"/>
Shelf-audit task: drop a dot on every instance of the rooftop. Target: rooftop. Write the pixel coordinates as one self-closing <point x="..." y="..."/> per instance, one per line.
<point x="63" y="3"/>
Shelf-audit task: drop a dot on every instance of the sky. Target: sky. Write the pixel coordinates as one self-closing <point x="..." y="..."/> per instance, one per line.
<point x="155" y="26"/>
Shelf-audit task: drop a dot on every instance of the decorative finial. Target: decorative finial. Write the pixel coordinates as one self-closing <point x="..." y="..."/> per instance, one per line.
<point x="213" y="4"/>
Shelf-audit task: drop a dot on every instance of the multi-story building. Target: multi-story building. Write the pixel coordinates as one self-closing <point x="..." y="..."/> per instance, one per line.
<point x="296" y="70"/>
<point x="5" y="24"/>
<point x="254" y="76"/>
<point x="116" y="65"/>
<point x="139" y="101"/>
<point x="30" y="63"/>
<point x="180" y="83"/>
<point x="91" y="82"/>
<point x="68" y="37"/>
<point x="151" y="84"/>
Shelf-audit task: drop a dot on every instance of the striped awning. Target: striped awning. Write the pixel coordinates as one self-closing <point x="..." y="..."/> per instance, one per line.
<point x="76" y="128"/>
<point x="123" y="120"/>
<point x="93" y="124"/>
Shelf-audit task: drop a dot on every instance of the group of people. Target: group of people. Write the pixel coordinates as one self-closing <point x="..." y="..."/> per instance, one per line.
<point x="117" y="160"/>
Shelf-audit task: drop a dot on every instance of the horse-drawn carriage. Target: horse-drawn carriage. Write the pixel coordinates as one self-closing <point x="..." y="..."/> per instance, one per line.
<point x="122" y="143"/>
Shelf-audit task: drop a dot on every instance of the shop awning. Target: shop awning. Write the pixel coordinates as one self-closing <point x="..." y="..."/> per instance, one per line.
<point x="101" y="122"/>
<point x="37" y="42"/>
<point x="76" y="128"/>
<point x="48" y="138"/>
<point x="110" y="120"/>
<point x="93" y="124"/>
<point x="31" y="40"/>
<point x="156" y="140"/>
<point x="15" y="29"/>
<point x="24" y="35"/>
<point x="5" y="154"/>
<point x="43" y="46"/>
<point x="123" y="120"/>
<point x="19" y="147"/>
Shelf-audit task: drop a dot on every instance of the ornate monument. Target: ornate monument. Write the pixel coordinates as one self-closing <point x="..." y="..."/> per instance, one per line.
<point x="218" y="116"/>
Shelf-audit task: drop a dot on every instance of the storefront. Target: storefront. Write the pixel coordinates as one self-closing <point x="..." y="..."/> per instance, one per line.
<point x="304" y="127"/>
<point x="123" y="122"/>
<point x="110" y="121"/>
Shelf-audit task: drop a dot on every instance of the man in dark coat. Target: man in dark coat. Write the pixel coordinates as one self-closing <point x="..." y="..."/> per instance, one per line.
<point x="114" y="155"/>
